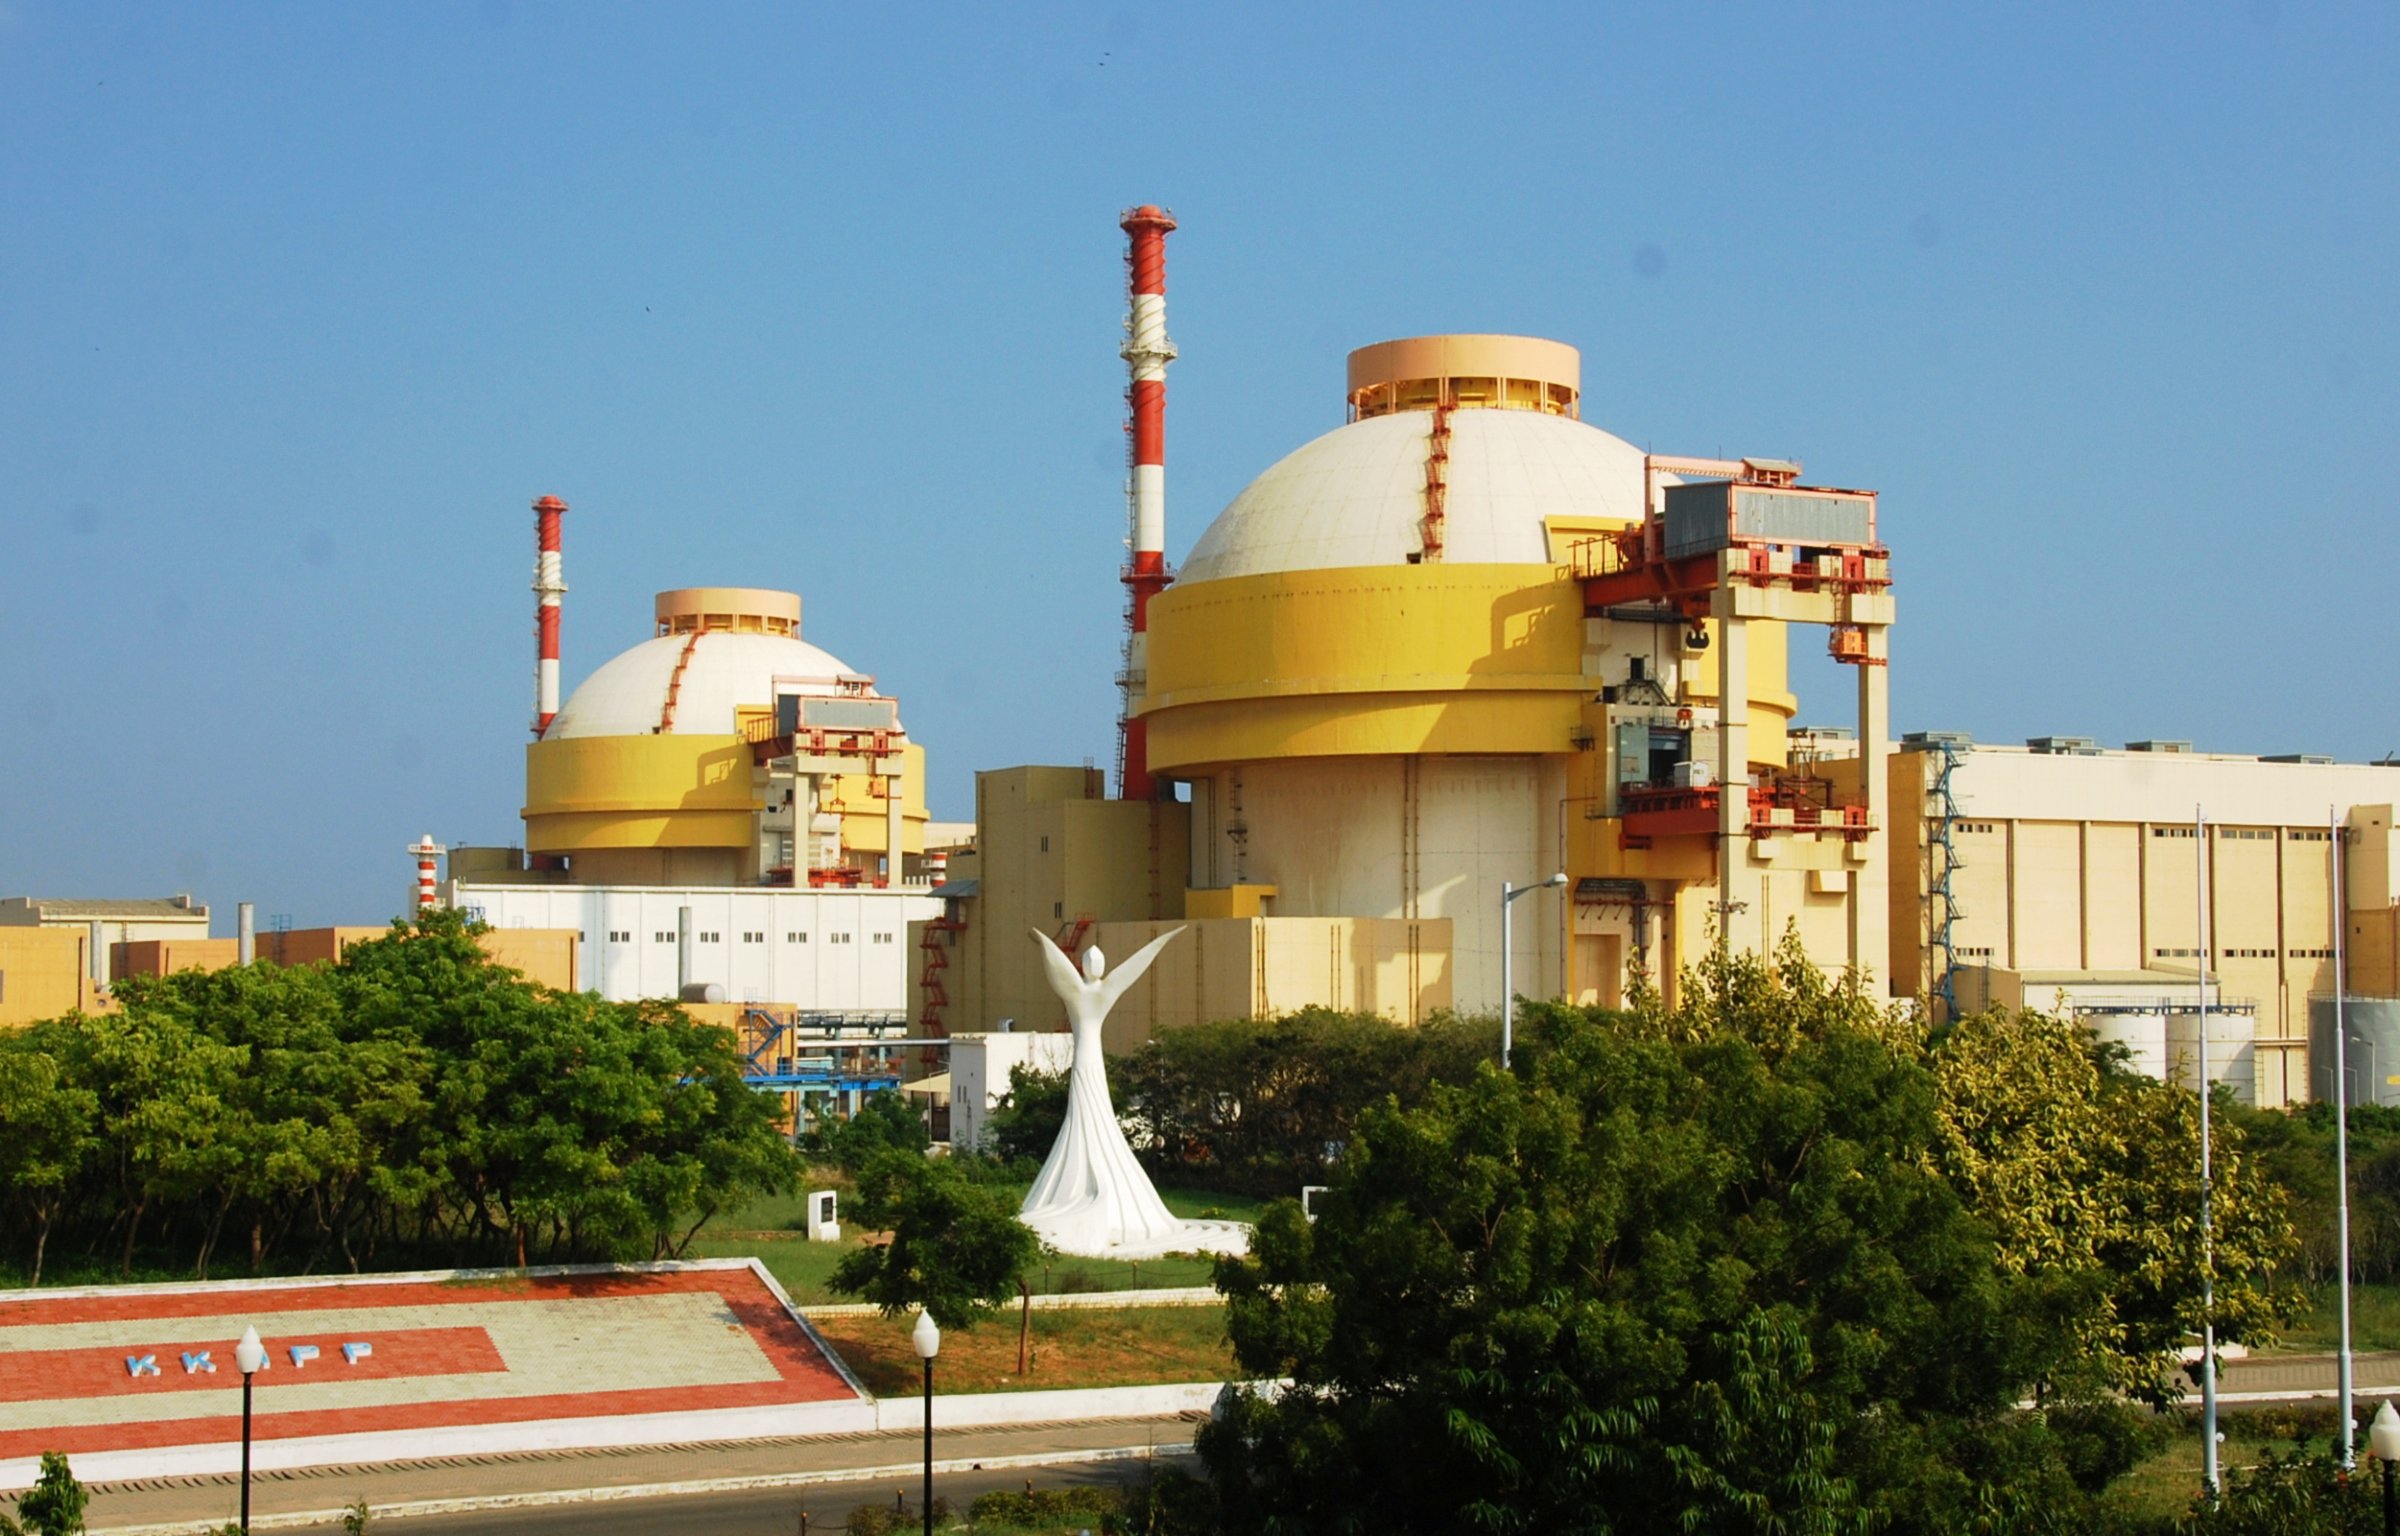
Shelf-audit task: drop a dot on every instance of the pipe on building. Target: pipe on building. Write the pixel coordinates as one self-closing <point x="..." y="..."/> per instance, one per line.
<point x="683" y="949"/>
<point x="1147" y="351"/>
<point x="245" y="933"/>
<point x="549" y="585"/>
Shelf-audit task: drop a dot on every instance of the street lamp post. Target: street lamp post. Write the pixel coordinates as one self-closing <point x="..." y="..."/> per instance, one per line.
<point x="249" y="1355"/>
<point x="2383" y="1438"/>
<point x="1508" y="981"/>
<point x="928" y="1339"/>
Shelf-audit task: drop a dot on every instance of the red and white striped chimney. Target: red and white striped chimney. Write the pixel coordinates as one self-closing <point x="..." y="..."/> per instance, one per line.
<point x="428" y="852"/>
<point x="1147" y="351"/>
<point x="549" y="585"/>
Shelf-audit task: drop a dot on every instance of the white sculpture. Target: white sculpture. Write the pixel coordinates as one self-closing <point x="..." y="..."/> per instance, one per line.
<point x="1092" y="1198"/>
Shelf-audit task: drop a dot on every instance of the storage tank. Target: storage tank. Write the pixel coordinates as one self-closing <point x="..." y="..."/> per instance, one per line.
<point x="2143" y="1035"/>
<point x="2232" y="1051"/>
<point x="2373" y="1025"/>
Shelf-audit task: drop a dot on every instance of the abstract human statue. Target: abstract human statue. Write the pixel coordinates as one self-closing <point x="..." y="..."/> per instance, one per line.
<point x="1092" y="1197"/>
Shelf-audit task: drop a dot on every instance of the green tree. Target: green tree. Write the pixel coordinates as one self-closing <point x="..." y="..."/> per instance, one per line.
<point x="956" y="1247"/>
<point x="1026" y="1123"/>
<point x="54" y="1505"/>
<point x="2088" y="1177"/>
<point x="48" y="1133"/>
<point x="883" y="1122"/>
<point x="1261" y="1105"/>
<point x="1692" y="1269"/>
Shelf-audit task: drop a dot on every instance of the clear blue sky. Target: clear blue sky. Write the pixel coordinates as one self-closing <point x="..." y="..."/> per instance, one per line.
<point x="301" y="305"/>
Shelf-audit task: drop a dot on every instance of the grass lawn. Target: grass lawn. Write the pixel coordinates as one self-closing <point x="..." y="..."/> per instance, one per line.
<point x="1072" y="1347"/>
<point x="2167" y="1483"/>
<point x="769" y="1230"/>
<point x="2374" y="1321"/>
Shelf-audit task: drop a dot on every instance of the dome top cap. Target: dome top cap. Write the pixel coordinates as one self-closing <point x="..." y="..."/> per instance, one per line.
<point x="1472" y="372"/>
<point x="755" y="610"/>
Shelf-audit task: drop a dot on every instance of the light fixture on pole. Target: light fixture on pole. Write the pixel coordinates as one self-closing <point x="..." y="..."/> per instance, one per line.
<point x="2383" y="1438"/>
<point x="2344" y="1361"/>
<point x="249" y="1356"/>
<point x="927" y="1337"/>
<point x="1508" y="985"/>
<point x="2208" y="1236"/>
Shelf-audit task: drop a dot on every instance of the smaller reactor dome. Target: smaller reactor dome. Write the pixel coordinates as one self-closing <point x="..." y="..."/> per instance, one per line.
<point x="717" y="648"/>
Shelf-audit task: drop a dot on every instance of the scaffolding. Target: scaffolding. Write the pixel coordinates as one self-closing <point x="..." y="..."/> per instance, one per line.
<point x="1942" y="864"/>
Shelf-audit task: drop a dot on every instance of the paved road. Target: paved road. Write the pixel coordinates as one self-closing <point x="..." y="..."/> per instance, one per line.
<point x="2271" y="1378"/>
<point x="655" y="1489"/>
<point x="761" y="1513"/>
<point x="663" y="1478"/>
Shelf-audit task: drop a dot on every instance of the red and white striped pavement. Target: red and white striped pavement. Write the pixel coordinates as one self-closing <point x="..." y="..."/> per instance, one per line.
<point x="140" y="1381"/>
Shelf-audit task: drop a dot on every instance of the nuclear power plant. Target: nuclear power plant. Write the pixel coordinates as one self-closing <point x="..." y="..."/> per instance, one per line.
<point x="1462" y="698"/>
<point x="722" y="811"/>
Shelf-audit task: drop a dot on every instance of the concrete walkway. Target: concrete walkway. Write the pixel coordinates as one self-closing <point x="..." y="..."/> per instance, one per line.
<point x="2282" y="1378"/>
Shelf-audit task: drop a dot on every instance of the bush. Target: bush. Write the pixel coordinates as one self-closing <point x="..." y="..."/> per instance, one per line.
<point x="897" y="1518"/>
<point x="54" y="1505"/>
<point x="1042" y="1507"/>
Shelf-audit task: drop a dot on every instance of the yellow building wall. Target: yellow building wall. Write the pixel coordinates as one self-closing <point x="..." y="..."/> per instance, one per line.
<point x="44" y="972"/>
<point x="2113" y="904"/>
<point x="549" y="957"/>
<point x="1264" y="967"/>
<point x="163" y="957"/>
<point x="1050" y="851"/>
<point x="864" y="802"/>
<point x="2046" y="896"/>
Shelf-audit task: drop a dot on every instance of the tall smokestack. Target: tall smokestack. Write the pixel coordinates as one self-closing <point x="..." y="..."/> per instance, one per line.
<point x="549" y="585"/>
<point x="1147" y="351"/>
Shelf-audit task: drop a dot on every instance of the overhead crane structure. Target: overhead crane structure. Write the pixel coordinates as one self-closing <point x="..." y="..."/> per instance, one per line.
<point x="1733" y="540"/>
<point x="812" y="741"/>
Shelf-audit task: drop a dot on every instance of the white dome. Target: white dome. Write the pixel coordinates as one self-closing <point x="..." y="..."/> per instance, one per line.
<point x="1356" y="496"/>
<point x="627" y="696"/>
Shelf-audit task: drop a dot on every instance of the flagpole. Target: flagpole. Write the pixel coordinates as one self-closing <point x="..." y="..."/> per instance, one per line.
<point x="2208" y="1262"/>
<point x="2341" y="1143"/>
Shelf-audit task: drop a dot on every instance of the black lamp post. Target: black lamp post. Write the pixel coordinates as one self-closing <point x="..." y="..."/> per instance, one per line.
<point x="928" y="1339"/>
<point x="249" y="1355"/>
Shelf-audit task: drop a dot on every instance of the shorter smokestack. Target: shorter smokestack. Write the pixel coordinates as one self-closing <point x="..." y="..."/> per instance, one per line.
<point x="683" y="950"/>
<point x="428" y="854"/>
<point x="549" y="585"/>
<point x="245" y="934"/>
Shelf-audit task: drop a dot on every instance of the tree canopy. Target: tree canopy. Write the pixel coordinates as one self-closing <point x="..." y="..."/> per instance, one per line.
<point x="1739" y="1265"/>
<point x="413" y="1098"/>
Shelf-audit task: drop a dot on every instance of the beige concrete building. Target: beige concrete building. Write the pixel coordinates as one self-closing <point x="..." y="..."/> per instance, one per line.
<point x="107" y="923"/>
<point x="2054" y="872"/>
<point x="45" y="972"/>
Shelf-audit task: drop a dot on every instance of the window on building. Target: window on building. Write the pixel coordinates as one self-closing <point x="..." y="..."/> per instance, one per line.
<point x="796" y="936"/>
<point x="717" y="937"/>
<point x="666" y="938"/>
